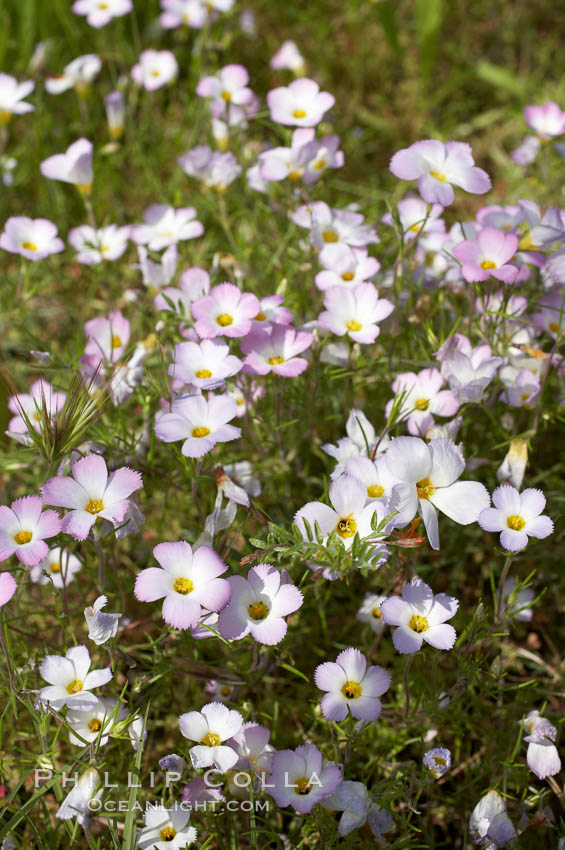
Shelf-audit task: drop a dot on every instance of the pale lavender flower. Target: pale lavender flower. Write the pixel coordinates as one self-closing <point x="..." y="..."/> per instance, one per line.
<point x="420" y="616"/>
<point x="517" y="516"/>
<point x="351" y="686"/>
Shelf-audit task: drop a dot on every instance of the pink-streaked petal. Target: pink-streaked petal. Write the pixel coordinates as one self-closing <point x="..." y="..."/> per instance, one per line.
<point x="173" y="555"/>
<point x="78" y="523"/>
<point x="180" y="611"/>
<point x="64" y="492"/>
<point x="49" y="524"/>
<point x="151" y="584"/>
<point x="121" y="484"/>
<point x="92" y="474"/>
<point x="32" y="553"/>
<point x="8" y="587"/>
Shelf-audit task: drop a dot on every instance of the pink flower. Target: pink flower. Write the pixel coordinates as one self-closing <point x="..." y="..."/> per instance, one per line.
<point x="216" y="170"/>
<point x="275" y="349"/>
<point x="251" y="744"/>
<point x="8" y="587"/>
<point x="547" y="120"/>
<point x="488" y="255"/>
<point x="420" y="616"/>
<point x="300" y="778"/>
<point x="193" y="283"/>
<point x="41" y="402"/>
<point x="98" y="14"/>
<point x="306" y="159"/>
<point x="287" y="57"/>
<point x="155" y="68"/>
<point x="258" y="605"/>
<point x="32" y="238"/>
<point x="107" y="339"/>
<point x="228" y="86"/>
<point x="329" y="226"/>
<point x="205" y="364"/>
<point x="189" y="582"/>
<point x="164" y="226"/>
<point x="436" y="166"/>
<point x="24" y="528"/>
<point x="417" y="218"/>
<point x="423" y="397"/>
<point x="193" y="13"/>
<point x="355" y="312"/>
<point x="199" y="422"/>
<point x="225" y="311"/>
<point x="90" y="494"/>
<point x="301" y="104"/>
<point x="73" y="166"/>
<point x="517" y="516"/>
<point x="345" y="266"/>
<point x="272" y="311"/>
<point x="351" y="687"/>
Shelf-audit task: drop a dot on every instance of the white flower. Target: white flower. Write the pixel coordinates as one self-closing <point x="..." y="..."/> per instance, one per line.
<point x="12" y="96"/>
<point x="164" y="226"/>
<point x="70" y="681"/>
<point x="515" y="604"/>
<point x="96" y="723"/>
<point x="58" y="567"/>
<point x="209" y="727"/>
<point x="542" y="756"/>
<point x="73" y="166"/>
<point x="370" y="612"/>
<point x="78" y="73"/>
<point x="79" y="801"/>
<point x="166" y="829"/>
<point x="438" y="761"/>
<point x="489" y="824"/>
<point x="101" y="627"/>
<point x="95" y="245"/>
<point x="135" y="730"/>
<point x="352" y="798"/>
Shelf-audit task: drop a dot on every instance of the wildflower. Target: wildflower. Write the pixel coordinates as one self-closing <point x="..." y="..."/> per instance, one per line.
<point x="300" y="104"/>
<point x="517" y="516"/>
<point x="375" y="476"/>
<point x="172" y="762"/>
<point x="417" y="218"/>
<point x="225" y="311"/>
<point x="199" y="422"/>
<point x="436" y="166"/>
<point x="527" y="151"/>
<point x="193" y="283"/>
<point x="306" y="159"/>
<point x="107" y="339"/>
<point x="81" y="799"/>
<point x="258" y="605"/>
<point x="542" y="756"/>
<point x="241" y="475"/>
<point x="355" y="312"/>
<point x="101" y="626"/>
<point x="350" y="685"/>
<point x="545" y="228"/>
<point x="198" y="791"/>
<point x="193" y="13"/>
<point x="164" y="226"/>
<point x="422" y="398"/>
<point x="547" y="120"/>
<point x="228" y="86"/>
<point x="188" y="581"/>
<point x="206" y="364"/>
<point x="90" y="493"/>
<point x="352" y="798"/>
<point x="216" y="170"/>
<point x="437" y="761"/>
<point x="349" y="516"/>
<point x="8" y="587"/>
<point x="521" y="387"/>
<point x="468" y="370"/>
<point x="157" y="274"/>
<point x="252" y="746"/>
<point x="517" y="605"/>
<point x="301" y="780"/>
<point x="78" y="74"/>
<point x="70" y="681"/>
<point x="137" y="733"/>
<point x="345" y="266"/>
<point x="23" y="530"/>
<point x="12" y="96"/>
<point x="551" y="313"/>
<point x="96" y="723"/>
<point x="330" y="226"/>
<point x="370" y="612"/>
<point x="154" y="68"/>
<point x="275" y="349"/>
<point x="96" y="245"/>
<point x="166" y="827"/>
<point x="272" y="312"/>
<point x="40" y="405"/>
<point x="420" y="616"/>
<point x="487" y="256"/>
<point x="32" y="238"/>
<point x="489" y="825"/>
<point x="209" y="728"/>
<point x="430" y="473"/>
<point x="58" y="568"/>
<point x="288" y="56"/>
<point x="98" y="13"/>
<point x="115" y="106"/>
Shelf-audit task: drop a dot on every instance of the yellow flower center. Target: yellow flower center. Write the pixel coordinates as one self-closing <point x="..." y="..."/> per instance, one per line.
<point x="418" y="624"/>
<point x="102" y="5"/>
<point x="260" y="317"/>
<point x="487" y="265"/>
<point x="203" y="373"/>
<point x="346" y="527"/>
<point x="303" y="785"/>
<point x="29" y="246"/>
<point x="117" y="342"/>
<point x="226" y="96"/>
<point x="515" y="522"/>
<point x="422" y="404"/>
<point x="299" y="113"/>
<point x="23" y="537"/>
<point x="525" y="243"/>
<point x="224" y="319"/>
<point x="439" y="175"/>
<point x="441" y="762"/>
<point x="425" y="488"/>
<point x="55" y="568"/>
<point x="351" y="690"/>
<point x="294" y="175"/>
<point x="74" y="687"/>
<point x="415" y="228"/>
<point x="376" y="612"/>
<point x="4" y="117"/>
<point x="84" y="188"/>
<point x="320" y="164"/>
<point x="353" y="325"/>
<point x="95" y="506"/>
<point x="184" y="586"/>
<point x="330" y="236"/>
<point x="95" y="725"/>
<point x="553" y="326"/>
<point x="201" y="431"/>
<point x="347" y="276"/>
<point x="155" y="73"/>
<point x="167" y="833"/>
<point x="375" y="491"/>
<point x="275" y="361"/>
<point x="211" y="740"/>
<point x="258" y="610"/>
